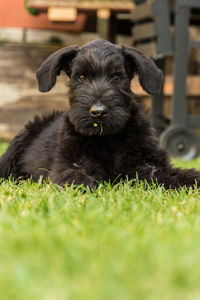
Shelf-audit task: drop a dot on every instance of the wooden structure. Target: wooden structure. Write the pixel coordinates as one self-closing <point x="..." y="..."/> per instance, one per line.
<point x="179" y="139"/>
<point x="151" y="34"/>
<point x="151" y="27"/>
<point x="105" y="10"/>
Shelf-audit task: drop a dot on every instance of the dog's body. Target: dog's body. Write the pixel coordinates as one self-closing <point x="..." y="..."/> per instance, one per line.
<point x="105" y="135"/>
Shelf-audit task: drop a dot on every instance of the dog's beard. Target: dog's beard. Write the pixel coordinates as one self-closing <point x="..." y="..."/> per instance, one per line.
<point x="110" y="124"/>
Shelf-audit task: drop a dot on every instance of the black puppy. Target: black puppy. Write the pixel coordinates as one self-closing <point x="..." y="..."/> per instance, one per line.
<point x="105" y="134"/>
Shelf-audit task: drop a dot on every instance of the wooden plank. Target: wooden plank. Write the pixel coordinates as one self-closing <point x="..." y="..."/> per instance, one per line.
<point x="142" y="11"/>
<point x="149" y="49"/>
<point x="62" y="14"/>
<point x="117" y="5"/>
<point x="193" y="86"/>
<point x="123" y="16"/>
<point x="143" y="31"/>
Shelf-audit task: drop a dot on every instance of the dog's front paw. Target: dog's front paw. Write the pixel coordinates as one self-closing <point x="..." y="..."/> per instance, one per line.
<point x="78" y="178"/>
<point x="74" y="177"/>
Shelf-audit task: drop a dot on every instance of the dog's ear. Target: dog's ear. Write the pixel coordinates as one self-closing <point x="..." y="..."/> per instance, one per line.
<point x="150" y="77"/>
<point x="52" y="66"/>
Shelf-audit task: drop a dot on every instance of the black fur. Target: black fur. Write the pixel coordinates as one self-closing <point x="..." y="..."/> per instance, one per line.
<point x="77" y="147"/>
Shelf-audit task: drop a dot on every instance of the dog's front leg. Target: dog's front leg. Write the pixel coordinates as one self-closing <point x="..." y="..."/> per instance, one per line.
<point x="175" y="177"/>
<point x="168" y="176"/>
<point x="72" y="176"/>
<point x="63" y="174"/>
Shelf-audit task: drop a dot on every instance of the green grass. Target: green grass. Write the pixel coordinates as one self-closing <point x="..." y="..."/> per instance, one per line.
<point x="117" y="243"/>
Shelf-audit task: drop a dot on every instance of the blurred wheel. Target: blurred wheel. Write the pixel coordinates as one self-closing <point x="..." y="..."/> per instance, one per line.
<point x="180" y="142"/>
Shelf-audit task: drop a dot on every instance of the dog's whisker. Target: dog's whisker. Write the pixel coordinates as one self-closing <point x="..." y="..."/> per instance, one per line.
<point x="101" y="130"/>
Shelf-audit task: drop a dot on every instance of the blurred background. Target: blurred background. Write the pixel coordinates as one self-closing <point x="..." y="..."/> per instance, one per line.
<point x="166" y="30"/>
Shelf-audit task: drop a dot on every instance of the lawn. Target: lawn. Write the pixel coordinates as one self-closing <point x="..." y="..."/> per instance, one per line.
<point x="116" y="243"/>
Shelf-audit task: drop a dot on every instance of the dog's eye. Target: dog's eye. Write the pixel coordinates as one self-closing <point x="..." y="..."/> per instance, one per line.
<point x="82" y="77"/>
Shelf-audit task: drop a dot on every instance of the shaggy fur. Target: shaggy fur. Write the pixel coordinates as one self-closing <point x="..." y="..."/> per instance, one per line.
<point x="105" y="134"/>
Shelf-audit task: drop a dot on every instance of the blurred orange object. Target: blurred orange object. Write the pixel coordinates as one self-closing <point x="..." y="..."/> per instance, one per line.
<point x="13" y="14"/>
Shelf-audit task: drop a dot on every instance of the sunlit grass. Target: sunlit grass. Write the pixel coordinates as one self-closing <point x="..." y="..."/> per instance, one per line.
<point x="119" y="242"/>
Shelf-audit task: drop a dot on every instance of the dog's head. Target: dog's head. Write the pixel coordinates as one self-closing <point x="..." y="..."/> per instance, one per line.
<point x="100" y="74"/>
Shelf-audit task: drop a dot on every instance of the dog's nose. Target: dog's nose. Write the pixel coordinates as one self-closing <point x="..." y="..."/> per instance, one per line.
<point x="98" y="110"/>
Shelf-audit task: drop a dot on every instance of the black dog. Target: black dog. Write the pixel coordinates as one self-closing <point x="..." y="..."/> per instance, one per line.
<point x="105" y="134"/>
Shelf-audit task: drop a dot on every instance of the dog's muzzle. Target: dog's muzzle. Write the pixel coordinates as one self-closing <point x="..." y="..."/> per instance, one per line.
<point x="98" y="110"/>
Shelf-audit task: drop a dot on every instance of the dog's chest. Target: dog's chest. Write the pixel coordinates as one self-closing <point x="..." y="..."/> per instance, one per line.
<point x="101" y="159"/>
<point x="95" y="157"/>
<point x="116" y="157"/>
